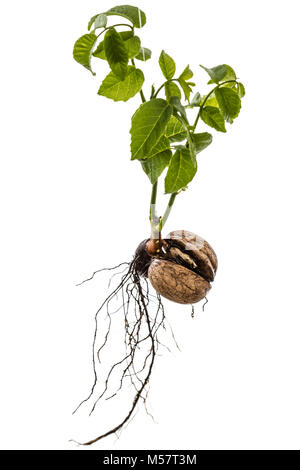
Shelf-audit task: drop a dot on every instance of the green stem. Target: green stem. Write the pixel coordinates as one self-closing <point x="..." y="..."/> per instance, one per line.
<point x="189" y="139"/>
<point x="154" y="194"/>
<point x="110" y="27"/>
<point x="153" y="217"/>
<point x="168" y="209"/>
<point x="142" y="96"/>
<point x="185" y="124"/>
<point x="161" y="86"/>
<point x="158" y="90"/>
<point x="206" y="98"/>
<point x="141" y="91"/>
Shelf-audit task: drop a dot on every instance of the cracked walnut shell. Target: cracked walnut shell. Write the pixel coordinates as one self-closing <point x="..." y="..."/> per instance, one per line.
<point x="183" y="271"/>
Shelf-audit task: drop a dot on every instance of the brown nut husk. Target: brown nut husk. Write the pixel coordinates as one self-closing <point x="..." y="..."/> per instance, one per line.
<point x="198" y="249"/>
<point x="176" y="282"/>
<point x="182" y="272"/>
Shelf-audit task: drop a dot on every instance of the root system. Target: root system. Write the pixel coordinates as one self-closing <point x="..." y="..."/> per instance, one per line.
<point x="142" y="341"/>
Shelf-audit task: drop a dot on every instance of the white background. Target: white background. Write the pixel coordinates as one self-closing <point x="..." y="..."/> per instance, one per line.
<point x="72" y="202"/>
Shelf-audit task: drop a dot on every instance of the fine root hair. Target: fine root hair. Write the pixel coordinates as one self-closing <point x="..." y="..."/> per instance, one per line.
<point x="143" y="318"/>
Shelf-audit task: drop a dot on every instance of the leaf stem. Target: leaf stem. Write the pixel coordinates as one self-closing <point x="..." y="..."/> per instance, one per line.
<point x="118" y="24"/>
<point x="189" y="143"/>
<point x="158" y="90"/>
<point x="142" y="96"/>
<point x="206" y="98"/>
<point x="167" y="81"/>
<point x="161" y="86"/>
<point x="110" y="27"/>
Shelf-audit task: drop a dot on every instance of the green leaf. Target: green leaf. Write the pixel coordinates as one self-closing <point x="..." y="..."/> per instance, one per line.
<point x="121" y="90"/>
<point x="187" y="88"/>
<point x="100" y="52"/>
<point x="175" y="131"/>
<point x="91" y="22"/>
<point x="211" y="101"/>
<point x="100" y="21"/>
<point x="178" y="107"/>
<point x="191" y="149"/>
<point x="116" y="53"/>
<point x="82" y="50"/>
<point x="133" y="14"/>
<point x="167" y="65"/>
<point x="201" y="141"/>
<point x="133" y="46"/>
<point x="144" y="54"/>
<point x="230" y="74"/>
<point x="241" y="90"/>
<point x="171" y="89"/>
<point x="153" y="167"/>
<point x="181" y="171"/>
<point x="186" y="74"/>
<point x="125" y="35"/>
<point x="216" y="73"/>
<point x="162" y="145"/>
<point x="148" y="125"/>
<point x="196" y="100"/>
<point x="175" y="102"/>
<point x="213" y="118"/>
<point x="229" y="102"/>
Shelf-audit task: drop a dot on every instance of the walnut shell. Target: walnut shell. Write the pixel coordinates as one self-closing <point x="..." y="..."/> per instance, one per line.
<point x="183" y="269"/>
<point x="177" y="283"/>
<point x="200" y="250"/>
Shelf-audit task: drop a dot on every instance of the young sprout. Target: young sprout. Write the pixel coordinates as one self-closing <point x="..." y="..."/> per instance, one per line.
<point x="164" y="139"/>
